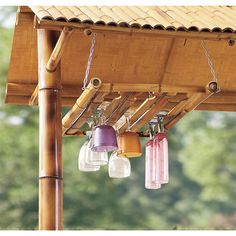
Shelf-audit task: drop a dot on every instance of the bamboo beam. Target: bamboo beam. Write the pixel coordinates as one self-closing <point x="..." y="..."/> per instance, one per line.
<point x="122" y="108"/>
<point x="190" y="104"/>
<point x="58" y="25"/>
<point x="82" y="102"/>
<point x="18" y="93"/>
<point x="75" y="90"/>
<point x="138" y="113"/>
<point x="91" y="108"/>
<point x="58" y="49"/>
<point x="50" y="160"/>
<point x="114" y="105"/>
<point x="162" y="101"/>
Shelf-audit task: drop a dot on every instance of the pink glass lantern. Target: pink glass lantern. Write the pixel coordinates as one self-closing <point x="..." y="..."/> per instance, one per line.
<point x="152" y="167"/>
<point x="161" y="152"/>
<point x="160" y="142"/>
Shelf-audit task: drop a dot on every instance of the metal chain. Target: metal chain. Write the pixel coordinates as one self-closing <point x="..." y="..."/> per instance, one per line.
<point x="209" y="60"/>
<point x="89" y="61"/>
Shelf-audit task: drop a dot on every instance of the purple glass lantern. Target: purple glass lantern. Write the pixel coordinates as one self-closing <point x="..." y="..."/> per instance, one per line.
<point x="104" y="139"/>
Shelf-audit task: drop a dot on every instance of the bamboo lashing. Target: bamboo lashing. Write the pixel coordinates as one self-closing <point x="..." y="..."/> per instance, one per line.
<point x="155" y="108"/>
<point x="82" y="102"/>
<point x="191" y="104"/>
<point x="58" y="49"/>
<point x="137" y="113"/>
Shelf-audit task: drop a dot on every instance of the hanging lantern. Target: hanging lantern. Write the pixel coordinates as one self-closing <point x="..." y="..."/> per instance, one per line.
<point x="96" y="158"/>
<point x="104" y="139"/>
<point x="82" y="164"/>
<point x="152" y="165"/>
<point x="129" y="145"/>
<point x="161" y="149"/>
<point x="119" y="167"/>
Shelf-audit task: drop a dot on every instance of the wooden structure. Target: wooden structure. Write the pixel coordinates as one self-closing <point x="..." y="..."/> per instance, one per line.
<point x="146" y="59"/>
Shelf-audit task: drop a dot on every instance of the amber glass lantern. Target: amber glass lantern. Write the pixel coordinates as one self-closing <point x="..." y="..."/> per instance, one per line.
<point x="129" y="145"/>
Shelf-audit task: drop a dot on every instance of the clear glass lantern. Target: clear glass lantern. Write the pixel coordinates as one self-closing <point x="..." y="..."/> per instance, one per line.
<point x="82" y="164"/>
<point x="96" y="158"/>
<point x="119" y="167"/>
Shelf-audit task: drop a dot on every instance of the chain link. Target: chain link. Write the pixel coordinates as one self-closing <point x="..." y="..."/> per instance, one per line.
<point x="209" y="60"/>
<point x="89" y="62"/>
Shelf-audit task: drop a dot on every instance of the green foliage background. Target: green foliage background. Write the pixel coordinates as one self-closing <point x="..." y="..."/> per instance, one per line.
<point x="201" y="193"/>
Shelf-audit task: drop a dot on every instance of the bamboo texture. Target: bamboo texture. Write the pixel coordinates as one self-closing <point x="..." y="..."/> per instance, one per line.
<point x="96" y="102"/>
<point x="189" y="105"/>
<point x="81" y="104"/>
<point x="58" y="49"/>
<point x="161" y="102"/>
<point x="50" y="160"/>
<point x="138" y="113"/>
<point x="121" y="109"/>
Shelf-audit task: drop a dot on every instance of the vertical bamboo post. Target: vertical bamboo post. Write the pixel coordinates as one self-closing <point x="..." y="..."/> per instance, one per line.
<point x="50" y="135"/>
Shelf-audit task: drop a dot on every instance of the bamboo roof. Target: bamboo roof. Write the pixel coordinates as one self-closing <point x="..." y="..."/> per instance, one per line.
<point x="138" y="49"/>
<point x="202" y="18"/>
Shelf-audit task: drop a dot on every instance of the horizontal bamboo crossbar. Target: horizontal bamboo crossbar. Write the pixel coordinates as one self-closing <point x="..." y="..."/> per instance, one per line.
<point x="18" y="93"/>
<point x="82" y="102"/>
<point x="58" y="49"/>
<point x="58" y="25"/>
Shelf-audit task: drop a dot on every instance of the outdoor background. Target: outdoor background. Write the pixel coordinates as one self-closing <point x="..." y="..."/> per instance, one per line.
<point x="201" y="193"/>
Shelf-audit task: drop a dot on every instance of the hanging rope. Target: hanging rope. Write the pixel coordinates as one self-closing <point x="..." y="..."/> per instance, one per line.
<point x="89" y="62"/>
<point x="209" y="60"/>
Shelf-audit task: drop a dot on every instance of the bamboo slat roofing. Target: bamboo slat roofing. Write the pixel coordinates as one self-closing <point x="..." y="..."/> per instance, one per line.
<point x="201" y="18"/>
<point x="136" y="48"/>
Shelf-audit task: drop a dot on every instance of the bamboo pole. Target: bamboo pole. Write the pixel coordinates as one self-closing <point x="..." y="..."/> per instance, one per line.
<point x="82" y="102"/>
<point x="190" y="104"/>
<point x="58" y="49"/>
<point x="50" y="160"/>
<point x="155" y="108"/>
